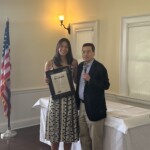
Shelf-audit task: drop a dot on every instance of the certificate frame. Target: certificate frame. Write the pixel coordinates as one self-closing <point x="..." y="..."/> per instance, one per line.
<point x="60" y="82"/>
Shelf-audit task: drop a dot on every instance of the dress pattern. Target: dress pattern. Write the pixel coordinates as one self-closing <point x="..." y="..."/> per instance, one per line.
<point x="62" y="120"/>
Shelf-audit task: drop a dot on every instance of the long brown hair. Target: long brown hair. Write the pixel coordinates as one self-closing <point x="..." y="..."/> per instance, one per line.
<point x="69" y="56"/>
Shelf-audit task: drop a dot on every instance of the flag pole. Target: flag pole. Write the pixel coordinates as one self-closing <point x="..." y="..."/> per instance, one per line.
<point x="5" y="92"/>
<point x="8" y="133"/>
<point x="9" y="119"/>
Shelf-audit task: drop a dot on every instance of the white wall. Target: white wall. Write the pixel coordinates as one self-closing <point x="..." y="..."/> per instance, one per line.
<point x="34" y="32"/>
<point x="22" y="113"/>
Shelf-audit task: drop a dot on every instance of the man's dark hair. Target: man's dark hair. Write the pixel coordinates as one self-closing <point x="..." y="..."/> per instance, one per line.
<point x="89" y="44"/>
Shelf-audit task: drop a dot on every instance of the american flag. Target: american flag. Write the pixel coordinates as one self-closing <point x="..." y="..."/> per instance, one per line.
<point x="5" y="92"/>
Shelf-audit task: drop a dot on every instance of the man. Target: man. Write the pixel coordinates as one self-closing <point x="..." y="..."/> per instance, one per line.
<point x="92" y="81"/>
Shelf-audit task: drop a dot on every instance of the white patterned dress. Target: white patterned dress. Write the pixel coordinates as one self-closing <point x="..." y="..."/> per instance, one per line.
<point x="62" y="120"/>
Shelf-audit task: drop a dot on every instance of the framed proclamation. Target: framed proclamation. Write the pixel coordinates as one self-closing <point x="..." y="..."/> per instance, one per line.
<point x="61" y="82"/>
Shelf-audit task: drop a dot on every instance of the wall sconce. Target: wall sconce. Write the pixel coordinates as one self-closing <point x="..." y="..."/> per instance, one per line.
<point x="61" y="18"/>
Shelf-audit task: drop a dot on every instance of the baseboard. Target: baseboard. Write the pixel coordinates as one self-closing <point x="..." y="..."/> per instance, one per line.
<point x="20" y="124"/>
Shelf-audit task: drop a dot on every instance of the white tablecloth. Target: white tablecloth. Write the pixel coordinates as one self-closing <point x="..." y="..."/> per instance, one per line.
<point x="126" y="127"/>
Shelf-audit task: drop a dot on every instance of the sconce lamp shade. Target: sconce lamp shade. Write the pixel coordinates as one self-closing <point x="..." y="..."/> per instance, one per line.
<point x="61" y="19"/>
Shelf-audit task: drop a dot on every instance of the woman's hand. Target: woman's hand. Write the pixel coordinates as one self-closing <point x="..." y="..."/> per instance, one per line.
<point x="46" y="80"/>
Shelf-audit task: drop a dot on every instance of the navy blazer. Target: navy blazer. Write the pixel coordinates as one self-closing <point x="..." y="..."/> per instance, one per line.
<point x="94" y="92"/>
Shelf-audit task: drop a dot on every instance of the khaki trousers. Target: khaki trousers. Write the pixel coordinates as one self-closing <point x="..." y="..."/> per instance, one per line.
<point x="91" y="132"/>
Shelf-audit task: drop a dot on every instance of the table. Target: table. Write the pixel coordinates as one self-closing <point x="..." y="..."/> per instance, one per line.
<point x="126" y="127"/>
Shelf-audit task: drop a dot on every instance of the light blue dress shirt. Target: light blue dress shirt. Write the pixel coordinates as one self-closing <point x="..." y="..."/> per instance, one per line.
<point x="82" y="81"/>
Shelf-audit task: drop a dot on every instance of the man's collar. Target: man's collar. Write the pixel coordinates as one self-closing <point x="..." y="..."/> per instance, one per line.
<point x="90" y="62"/>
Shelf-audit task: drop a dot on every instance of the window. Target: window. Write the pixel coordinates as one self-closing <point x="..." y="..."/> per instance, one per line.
<point x="135" y="58"/>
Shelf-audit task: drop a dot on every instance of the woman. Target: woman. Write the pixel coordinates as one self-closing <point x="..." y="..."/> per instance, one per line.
<point x="62" y="115"/>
